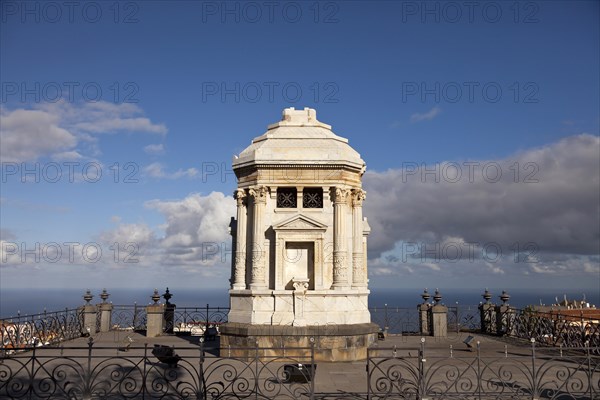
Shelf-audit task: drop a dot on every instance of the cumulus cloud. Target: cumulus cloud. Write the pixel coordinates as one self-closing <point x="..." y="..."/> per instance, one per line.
<point x="536" y="205"/>
<point x="429" y="115"/>
<point x="58" y="129"/>
<point x="157" y="170"/>
<point x="196" y="233"/>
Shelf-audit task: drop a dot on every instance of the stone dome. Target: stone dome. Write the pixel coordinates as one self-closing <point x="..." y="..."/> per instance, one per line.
<point x="299" y="139"/>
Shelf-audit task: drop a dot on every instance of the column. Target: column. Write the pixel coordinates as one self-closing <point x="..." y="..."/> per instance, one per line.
<point x="340" y="262"/>
<point x="239" y="278"/>
<point x="358" y="269"/>
<point x="257" y="275"/>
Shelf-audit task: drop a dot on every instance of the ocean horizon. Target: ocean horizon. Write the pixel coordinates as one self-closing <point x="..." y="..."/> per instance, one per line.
<point x="35" y="300"/>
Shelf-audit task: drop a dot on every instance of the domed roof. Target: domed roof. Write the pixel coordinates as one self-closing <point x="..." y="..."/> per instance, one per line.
<point x="299" y="138"/>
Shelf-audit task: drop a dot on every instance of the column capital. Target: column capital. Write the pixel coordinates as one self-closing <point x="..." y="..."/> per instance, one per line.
<point x="239" y="195"/>
<point x="340" y="195"/>
<point x="258" y="193"/>
<point x="358" y="196"/>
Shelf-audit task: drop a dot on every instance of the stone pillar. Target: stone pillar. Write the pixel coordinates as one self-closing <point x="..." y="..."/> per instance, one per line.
<point x="105" y="310"/>
<point x="505" y="316"/>
<point x="89" y="320"/>
<point x="439" y="317"/>
<point x="105" y="316"/>
<point x="359" y="276"/>
<point x="487" y="314"/>
<point x="155" y="317"/>
<point x="88" y="326"/>
<point x="239" y="278"/>
<point x="259" y="196"/>
<point x="340" y="261"/>
<point x="423" y="310"/>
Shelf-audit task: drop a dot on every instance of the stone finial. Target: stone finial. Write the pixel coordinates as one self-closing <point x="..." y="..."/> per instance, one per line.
<point x="155" y="296"/>
<point x="487" y="296"/>
<point x="104" y="295"/>
<point x="437" y="297"/>
<point x="88" y="296"/>
<point x="504" y="297"/>
<point x="425" y="295"/>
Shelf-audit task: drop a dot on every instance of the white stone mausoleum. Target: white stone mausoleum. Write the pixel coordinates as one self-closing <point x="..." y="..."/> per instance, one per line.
<point x="300" y="242"/>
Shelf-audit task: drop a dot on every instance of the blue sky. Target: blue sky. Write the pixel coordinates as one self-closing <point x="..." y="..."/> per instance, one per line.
<point x="165" y="93"/>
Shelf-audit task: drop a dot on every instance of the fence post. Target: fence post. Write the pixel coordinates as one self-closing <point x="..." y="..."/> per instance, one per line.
<point x="534" y="379"/>
<point x="422" y="384"/>
<point x="207" y="324"/>
<point x="313" y="369"/>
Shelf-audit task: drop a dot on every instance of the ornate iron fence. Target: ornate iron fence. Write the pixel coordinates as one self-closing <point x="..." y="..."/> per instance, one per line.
<point x="88" y="372"/>
<point x="128" y="317"/>
<point x="463" y="318"/>
<point x="40" y="329"/>
<point x="547" y="328"/>
<point x="553" y="374"/>
<point x="196" y="320"/>
<point x="396" y="319"/>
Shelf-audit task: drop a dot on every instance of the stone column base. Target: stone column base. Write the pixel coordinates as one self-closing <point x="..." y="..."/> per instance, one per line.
<point x="333" y="343"/>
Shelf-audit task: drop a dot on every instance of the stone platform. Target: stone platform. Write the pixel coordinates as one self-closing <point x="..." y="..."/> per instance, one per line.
<point x="333" y="343"/>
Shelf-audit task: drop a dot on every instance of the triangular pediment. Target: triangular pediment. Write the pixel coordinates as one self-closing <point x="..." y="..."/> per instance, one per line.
<point x="300" y="222"/>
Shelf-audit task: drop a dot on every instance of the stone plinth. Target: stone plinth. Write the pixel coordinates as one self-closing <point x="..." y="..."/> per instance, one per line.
<point x="332" y="342"/>
<point x="89" y="320"/>
<point x="423" y="310"/>
<point x="105" y="310"/>
<point x="155" y="320"/>
<point x="439" y="320"/>
<point x="282" y="307"/>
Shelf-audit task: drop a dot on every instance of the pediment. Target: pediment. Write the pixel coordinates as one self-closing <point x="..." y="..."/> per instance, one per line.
<point x="300" y="222"/>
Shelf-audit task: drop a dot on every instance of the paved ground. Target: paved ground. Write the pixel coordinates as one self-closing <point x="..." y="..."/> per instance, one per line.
<point x="333" y="380"/>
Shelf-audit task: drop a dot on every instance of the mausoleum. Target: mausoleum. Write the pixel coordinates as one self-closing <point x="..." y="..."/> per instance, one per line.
<point x="299" y="271"/>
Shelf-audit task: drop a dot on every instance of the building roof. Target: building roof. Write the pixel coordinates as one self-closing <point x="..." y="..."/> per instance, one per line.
<point x="299" y="139"/>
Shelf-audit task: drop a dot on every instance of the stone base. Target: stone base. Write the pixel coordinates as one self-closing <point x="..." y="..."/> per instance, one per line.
<point x="333" y="343"/>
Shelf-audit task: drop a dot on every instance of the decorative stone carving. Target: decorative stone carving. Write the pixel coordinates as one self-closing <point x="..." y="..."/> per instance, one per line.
<point x="259" y="194"/>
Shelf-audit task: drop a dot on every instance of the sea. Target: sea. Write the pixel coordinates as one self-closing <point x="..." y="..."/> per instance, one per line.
<point x="35" y="300"/>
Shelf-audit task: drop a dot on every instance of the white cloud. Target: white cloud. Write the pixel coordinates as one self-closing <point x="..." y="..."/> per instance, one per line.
<point x="157" y="170"/>
<point x="429" y="115"/>
<point x="154" y="149"/>
<point x="27" y="135"/>
<point x="196" y="233"/>
<point x="545" y="216"/>
<point x="58" y="129"/>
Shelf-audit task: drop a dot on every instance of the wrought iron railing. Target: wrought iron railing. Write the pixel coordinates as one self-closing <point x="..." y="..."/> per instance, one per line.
<point x="396" y="320"/>
<point x="552" y="374"/>
<point x="463" y="318"/>
<point x="556" y="328"/>
<point x="128" y="317"/>
<point x="40" y="329"/>
<point x="88" y="372"/>
<point x="196" y="320"/>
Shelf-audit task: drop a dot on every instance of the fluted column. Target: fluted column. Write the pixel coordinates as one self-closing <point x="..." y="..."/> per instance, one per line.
<point x="358" y="269"/>
<point x="340" y="261"/>
<point x="239" y="279"/>
<point x="257" y="275"/>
